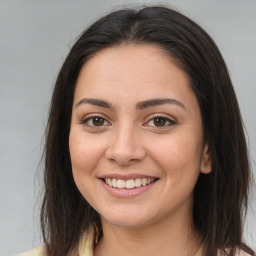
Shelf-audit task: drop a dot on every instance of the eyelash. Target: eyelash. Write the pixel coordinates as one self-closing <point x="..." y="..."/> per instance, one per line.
<point x="91" y="118"/>
<point x="164" y="118"/>
<point x="167" y="120"/>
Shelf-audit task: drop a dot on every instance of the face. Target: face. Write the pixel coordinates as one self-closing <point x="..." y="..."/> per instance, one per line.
<point x="136" y="139"/>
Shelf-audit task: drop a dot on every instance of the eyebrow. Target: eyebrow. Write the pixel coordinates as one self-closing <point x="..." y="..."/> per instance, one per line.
<point x="157" y="102"/>
<point x="139" y="106"/>
<point x="96" y="102"/>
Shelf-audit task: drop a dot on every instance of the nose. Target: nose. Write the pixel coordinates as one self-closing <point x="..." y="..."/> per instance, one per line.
<point x="125" y="146"/>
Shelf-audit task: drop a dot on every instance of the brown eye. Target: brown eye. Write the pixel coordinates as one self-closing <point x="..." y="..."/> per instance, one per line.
<point x="158" y="121"/>
<point x="97" y="121"/>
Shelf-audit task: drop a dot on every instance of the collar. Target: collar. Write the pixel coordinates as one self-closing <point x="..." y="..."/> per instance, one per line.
<point x="87" y="242"/>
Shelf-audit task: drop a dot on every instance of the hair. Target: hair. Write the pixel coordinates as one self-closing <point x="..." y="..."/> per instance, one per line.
<point x="220" y="198"/>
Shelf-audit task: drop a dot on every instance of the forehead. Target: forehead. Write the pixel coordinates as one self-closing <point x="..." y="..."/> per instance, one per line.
<point x="141" y="67"/>
<point x="130" y="52"/>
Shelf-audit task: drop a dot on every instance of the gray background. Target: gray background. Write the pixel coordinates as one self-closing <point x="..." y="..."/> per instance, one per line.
<point x="35" y="37"/>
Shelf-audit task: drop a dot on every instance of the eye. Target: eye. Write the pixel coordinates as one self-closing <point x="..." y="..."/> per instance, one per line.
<point x="95" y="121"/>
<point x="160" y="121"/>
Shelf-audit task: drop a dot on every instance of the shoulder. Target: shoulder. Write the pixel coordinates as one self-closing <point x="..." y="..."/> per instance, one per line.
<point x="38" y="251"/>
<point x="242" y="253"/>
<point x="239" y="252"/>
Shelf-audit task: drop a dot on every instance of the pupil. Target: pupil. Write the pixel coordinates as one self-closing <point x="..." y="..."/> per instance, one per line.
<point x="98" y="121"/>
<point x="159" y="122"/>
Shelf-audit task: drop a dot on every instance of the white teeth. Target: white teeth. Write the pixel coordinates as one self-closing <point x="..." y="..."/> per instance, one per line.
<point x="118" y="183"/>
<point x="137" y="183"/>
<point x="114" y="183"/>
<point x="130" y="184"/>
<point x="144" y="182"/>
<point x="121" y="183"/>
<point x="109" y="182"/>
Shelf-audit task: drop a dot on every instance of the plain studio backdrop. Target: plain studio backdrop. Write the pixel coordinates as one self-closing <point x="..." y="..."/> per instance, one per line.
<point x="35" y="37"/>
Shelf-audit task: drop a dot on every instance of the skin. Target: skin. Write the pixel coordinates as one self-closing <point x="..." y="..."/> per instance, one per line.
<point x="128" y="141"/>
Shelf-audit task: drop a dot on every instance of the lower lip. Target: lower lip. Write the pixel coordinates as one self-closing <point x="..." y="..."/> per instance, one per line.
<point x="125" y="192"/>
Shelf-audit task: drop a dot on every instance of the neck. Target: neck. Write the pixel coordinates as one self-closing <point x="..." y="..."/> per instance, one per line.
<point x="168" y="237"/>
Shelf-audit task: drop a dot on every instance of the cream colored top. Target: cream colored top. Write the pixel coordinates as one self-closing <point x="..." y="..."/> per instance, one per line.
<point x="86" y="248"/>
<point x="88" y="251"/>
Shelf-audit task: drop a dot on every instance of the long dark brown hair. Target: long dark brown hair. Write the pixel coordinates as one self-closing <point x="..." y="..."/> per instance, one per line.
<point x="220" y="198"/>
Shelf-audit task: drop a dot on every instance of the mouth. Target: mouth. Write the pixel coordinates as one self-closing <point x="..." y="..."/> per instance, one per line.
<point x="128" y="184"/>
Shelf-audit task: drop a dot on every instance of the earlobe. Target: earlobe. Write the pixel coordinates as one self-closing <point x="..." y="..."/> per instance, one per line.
<point x="206" y="162"/>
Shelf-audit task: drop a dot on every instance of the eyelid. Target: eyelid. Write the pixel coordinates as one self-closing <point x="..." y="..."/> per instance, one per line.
<point x="86" y="118"/>
<point x="172" y="120"/>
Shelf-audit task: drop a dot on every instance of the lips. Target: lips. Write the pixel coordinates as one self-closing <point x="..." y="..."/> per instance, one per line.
<point x="129" y="185"/>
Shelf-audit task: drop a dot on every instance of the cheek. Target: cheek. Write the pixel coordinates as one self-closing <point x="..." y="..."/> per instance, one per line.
<point x="179" y="155"/>
<point x="84" y="152"/>
<point x="85" y="155"/>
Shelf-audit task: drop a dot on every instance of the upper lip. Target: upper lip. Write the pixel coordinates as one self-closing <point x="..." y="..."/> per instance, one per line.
<point x="126" y="176"/>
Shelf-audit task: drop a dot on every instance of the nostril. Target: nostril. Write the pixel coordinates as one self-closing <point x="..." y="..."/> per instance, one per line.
<point x="125" y="155"/>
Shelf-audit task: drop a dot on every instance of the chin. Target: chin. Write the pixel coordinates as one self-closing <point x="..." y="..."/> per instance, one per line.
<point x="126" y="219"/>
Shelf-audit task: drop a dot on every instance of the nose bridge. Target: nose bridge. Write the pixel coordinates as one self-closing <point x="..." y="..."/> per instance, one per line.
<point x="125" y="145"/>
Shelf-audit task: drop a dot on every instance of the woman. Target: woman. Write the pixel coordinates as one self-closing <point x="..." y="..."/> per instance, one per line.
<point x="145" y="150"/>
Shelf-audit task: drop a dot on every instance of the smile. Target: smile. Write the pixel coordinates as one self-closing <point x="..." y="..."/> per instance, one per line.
<point x="128" y="184"/>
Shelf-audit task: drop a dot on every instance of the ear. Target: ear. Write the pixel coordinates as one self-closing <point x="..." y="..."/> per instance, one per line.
<point x="206" y="162"/>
